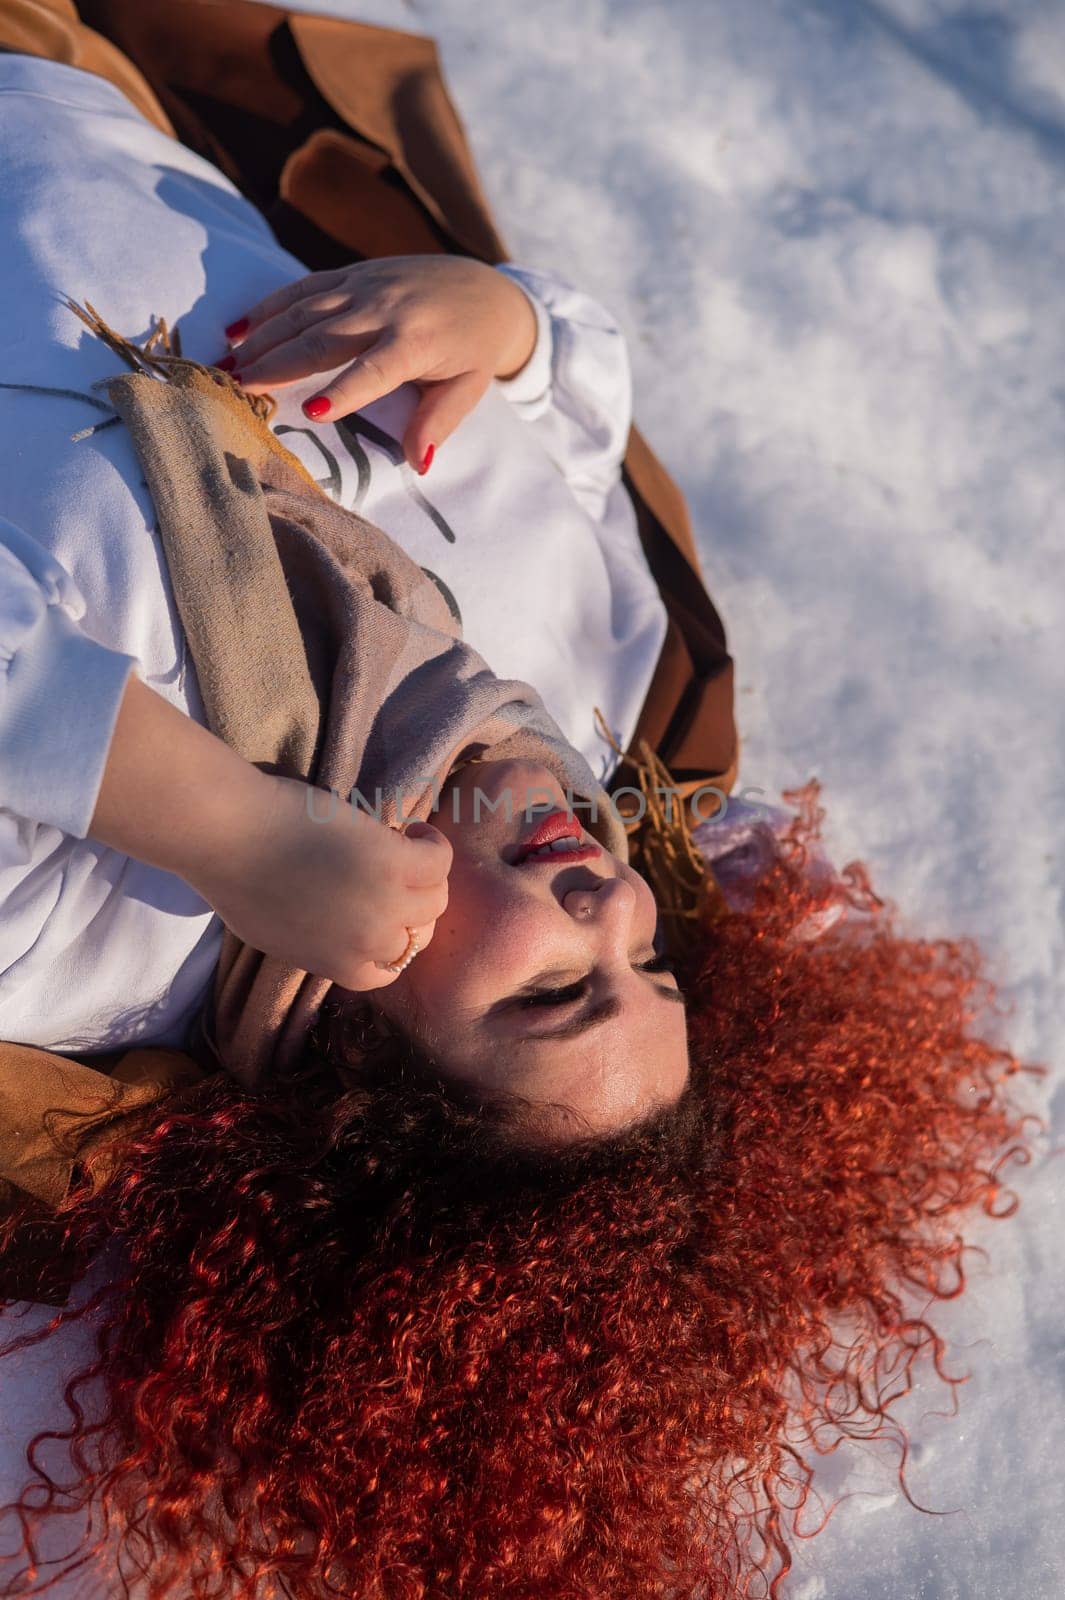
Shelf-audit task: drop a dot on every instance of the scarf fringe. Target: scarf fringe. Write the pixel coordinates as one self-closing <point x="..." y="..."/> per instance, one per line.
<point x="689" y="897"/>
<point x="159" y="356"/>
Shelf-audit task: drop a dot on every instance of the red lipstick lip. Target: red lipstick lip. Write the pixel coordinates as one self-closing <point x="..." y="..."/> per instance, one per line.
<point x="558" y="825"/>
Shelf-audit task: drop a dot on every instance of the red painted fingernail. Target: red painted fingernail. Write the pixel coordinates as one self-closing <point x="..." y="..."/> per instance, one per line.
<point x="430" y="452"/>
<point x="316" y="407"/>
<point x="238" y="329"/>
<point x="226" y="364"/>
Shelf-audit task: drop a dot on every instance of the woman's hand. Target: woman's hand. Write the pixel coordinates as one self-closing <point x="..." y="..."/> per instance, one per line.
<point x="333" y="896"/>
<point x="446" y="323"/>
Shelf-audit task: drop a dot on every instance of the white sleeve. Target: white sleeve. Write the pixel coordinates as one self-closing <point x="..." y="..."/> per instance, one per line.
<point x="59" y="691"/>
<point x="576" y="388"/>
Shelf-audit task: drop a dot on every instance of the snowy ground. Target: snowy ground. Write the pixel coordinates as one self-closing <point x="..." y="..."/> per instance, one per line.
<point x="835" y="233"/>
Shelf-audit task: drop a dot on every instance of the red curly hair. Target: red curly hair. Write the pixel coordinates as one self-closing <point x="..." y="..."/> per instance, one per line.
<point x="367" y="1345"/>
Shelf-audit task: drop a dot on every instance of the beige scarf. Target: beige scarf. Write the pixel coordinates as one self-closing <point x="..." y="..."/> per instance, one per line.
<point x="322" y="651"/>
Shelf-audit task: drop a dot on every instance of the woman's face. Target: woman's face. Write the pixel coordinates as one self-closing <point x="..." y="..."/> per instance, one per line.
<point x="541" y="977"/>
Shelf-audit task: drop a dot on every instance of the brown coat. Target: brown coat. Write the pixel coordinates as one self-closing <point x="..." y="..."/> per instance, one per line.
<point x="344" y="136"/>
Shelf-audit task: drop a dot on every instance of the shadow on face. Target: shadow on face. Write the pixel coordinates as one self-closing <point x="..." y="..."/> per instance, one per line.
<point x="542" y="977"/>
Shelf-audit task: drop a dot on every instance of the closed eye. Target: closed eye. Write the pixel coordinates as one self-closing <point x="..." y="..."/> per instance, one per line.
<point x="572" y="992"/>
<point x="553" y="997"/>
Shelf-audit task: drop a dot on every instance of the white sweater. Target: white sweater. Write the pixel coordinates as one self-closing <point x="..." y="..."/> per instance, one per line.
<point x="522" y="519"/>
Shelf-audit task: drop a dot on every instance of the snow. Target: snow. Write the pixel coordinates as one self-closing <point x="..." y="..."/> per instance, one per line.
<point x="834" y="231"/>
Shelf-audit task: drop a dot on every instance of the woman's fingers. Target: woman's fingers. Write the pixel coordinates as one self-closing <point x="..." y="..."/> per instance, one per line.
<point x="442" y="407"/>
<point x="423" y="932"/>
<point x="323" y="348"/>
<point x="442" y="323"/>
<point x="423" y="905"/>
<point x="296" y="327"/>
<point x="427" y="856"/>
<point x="379" y="369"/>
<point x="280" y="300"/>
<point x="369" y="975"/>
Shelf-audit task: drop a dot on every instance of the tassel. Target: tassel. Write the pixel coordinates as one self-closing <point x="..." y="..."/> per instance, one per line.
<point x="160" y="354"/>
<point x="689" y="897"/>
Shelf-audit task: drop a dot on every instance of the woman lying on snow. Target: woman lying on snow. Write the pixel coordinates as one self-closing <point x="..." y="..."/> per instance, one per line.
<point x="523" y="1268"/>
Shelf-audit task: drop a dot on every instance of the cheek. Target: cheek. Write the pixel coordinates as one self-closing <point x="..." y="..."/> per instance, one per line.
<point x="476" y="900"/>
<point x="480" y="927"/>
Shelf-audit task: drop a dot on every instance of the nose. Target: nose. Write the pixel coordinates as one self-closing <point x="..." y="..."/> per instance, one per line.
<point x="610" y="903"/>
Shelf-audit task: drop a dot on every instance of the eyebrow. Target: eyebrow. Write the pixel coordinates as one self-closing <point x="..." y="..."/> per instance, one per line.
<point x="593" y="1017"/>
